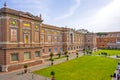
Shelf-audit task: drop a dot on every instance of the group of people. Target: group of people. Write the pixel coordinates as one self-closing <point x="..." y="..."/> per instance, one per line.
<point x="118" y="71"/>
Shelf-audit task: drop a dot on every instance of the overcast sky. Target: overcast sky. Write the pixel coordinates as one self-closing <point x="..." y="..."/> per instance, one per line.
<point x="94" y="15"/>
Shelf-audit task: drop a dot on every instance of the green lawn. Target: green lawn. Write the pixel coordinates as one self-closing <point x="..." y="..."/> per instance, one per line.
<point x="83" y="68"/>
<point x="111" y="52"/>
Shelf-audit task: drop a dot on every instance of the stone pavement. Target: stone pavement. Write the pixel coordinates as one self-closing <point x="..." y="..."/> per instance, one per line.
<point x="19" y="75"/>
<point x="117" y="68"/>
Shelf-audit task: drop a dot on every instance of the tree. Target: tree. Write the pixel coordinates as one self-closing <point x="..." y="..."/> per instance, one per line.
<point x="25" y="68"/>
<point x="88" y="51"/>
<point x="101" y="33"/>
<point x="51" y="55"/>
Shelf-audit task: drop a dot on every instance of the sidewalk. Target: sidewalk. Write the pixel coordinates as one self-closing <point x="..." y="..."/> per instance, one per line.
<point x="19" y="75"/>
<point x="116" y="71"/>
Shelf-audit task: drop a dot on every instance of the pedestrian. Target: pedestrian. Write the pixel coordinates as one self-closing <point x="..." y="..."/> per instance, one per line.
<point x="118" y="75"/>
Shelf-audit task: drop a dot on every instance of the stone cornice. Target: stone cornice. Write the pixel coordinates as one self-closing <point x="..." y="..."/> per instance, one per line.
<point x="20" y="14"/>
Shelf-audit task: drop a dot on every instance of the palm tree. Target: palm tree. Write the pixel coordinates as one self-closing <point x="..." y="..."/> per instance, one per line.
<point x="51" y="55"/>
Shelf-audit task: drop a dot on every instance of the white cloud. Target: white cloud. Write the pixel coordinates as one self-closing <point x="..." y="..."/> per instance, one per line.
<point x="107" y="19"/>
<point x="71" y="11"/>
<point x="36" y="7"/>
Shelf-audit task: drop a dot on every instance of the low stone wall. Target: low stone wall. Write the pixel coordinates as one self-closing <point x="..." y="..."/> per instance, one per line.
<point x="21" y="66"/>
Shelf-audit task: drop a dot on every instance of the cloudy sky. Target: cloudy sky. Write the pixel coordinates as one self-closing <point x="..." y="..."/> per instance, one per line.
<point x="94" y="15"/>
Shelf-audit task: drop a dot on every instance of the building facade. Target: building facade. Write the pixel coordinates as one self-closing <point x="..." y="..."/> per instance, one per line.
<point x="90" y="41"/>
<point x="110" y="40"/>
<point x="19" y="39"/>
<point x="24" y="39"/>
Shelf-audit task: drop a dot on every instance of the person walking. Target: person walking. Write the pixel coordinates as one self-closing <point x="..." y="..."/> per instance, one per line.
<point x="118" y="75"/>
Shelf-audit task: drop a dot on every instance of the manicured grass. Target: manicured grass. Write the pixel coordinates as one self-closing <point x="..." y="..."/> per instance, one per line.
<point x="109" y="52"/>
<point x="83" y="68"/>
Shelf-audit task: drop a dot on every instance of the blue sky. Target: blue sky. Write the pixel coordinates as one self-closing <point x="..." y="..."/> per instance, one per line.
<point x="94" y="15"/>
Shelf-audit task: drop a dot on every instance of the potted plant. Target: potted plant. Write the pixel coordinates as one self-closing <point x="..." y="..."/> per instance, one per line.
<point x="67" y="57"/>
<point x="52" y="61"/>
<point x="77" y="54"/>
<point x="59" y="54"/>
<point x="84" y="51"/>
<point x="66" y="54"/>
<point x="51" y="55"/>
<point x="25" y="68"/>
<point x="53" y="75"/>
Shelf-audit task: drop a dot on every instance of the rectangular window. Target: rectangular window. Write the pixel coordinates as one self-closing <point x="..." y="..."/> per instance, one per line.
<point x="14" y="57"/>
<point x="49" y="38"/>
<point x="26" y="55"/>
<point x="37" y="53"/>
<point x="55" y="39"/>
<point x="55" y="50"/>
<point x="68" y="48"/>
<point x="74" y="48"/>
<point x="43" y="50"/>
<point x="49" y="50"/>
<point x="61" y="49"/>
<point x="13" y="34"/>
<point x="26" y="38"/>
<point x="36" y="36"/>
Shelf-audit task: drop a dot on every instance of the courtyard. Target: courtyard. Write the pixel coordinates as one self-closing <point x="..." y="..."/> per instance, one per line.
<point x="87" y="67"/>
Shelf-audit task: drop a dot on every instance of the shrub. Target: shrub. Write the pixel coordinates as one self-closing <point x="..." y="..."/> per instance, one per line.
<point x="51" y="55"/>
<point x="66" y="52"/>
<point x="52" y="73"/>
<point x="59" y="54"/>
<point x="25" y="66"/>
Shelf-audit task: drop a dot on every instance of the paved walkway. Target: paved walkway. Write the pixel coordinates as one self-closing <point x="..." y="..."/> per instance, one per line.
<point x="118" y="67"/>
<point x="19" y="75"/>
